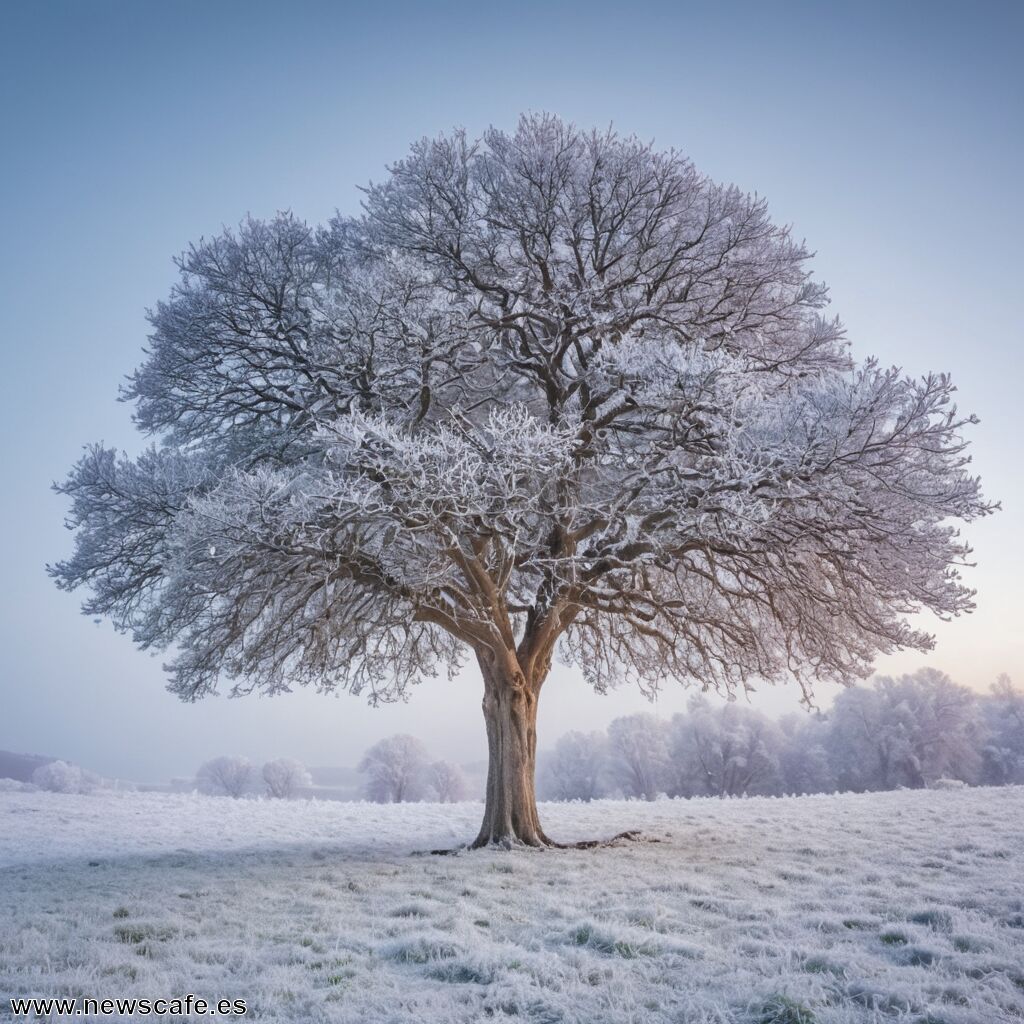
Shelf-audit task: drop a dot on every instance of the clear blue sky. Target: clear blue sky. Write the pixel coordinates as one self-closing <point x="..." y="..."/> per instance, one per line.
<point x="889" y="135"/>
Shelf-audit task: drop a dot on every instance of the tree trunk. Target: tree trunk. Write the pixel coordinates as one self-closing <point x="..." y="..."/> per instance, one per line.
<point x="510" y="713"/>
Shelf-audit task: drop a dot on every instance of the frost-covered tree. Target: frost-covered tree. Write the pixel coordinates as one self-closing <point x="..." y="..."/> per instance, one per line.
<point x="639" y="756"/>
<point x="1003" y="752"/>
<point x="804" y="762"/>
<point x="577" y="767"/>
<point x="64" y="777"/>
<point x="397" y="770"/>
<point x="225" y="776"/>
<point x="553" y="392"/>
<point x="447" y="782"/>
<point x="725" y="751"/>
<point x="908" y="732"/>
<point x="285" y="777"/>
<point x="948" y="739"/>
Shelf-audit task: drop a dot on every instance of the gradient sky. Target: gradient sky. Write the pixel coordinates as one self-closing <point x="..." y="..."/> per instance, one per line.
<point x="889" y="135"/>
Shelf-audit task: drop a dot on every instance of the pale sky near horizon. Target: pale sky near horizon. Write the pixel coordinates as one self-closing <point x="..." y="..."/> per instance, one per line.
<point x="888" y="135"/>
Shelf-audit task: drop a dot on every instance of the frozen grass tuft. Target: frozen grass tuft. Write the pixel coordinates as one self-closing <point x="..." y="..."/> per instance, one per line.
<point x="419" y="949"/>
<point x="628" y="943"/>
<point x="782" y="1010"/>
<point x="940" y="920"/>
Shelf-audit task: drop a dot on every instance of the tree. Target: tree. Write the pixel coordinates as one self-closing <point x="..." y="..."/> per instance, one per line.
<point x="804" y="762"/>
<point x="285" y="777"/>
<point x="64" y="777"/>
<point x="725" y="751"/>
<point x="866" y="746"/>
<point x="639" y="758"/>
<point x="576" y="768"/>
<point x="552" y="393"/>
<point x="225" y="776"/>
<point x="1003" y="752"/>
<point x="947" y="740"/>
<point x="447" y="782"/>
<point x="397" y="770"/>
<point x="908" y="732"/>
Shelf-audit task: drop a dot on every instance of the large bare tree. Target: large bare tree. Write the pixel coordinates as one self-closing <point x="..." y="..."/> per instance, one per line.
<point x="554" y="392"/>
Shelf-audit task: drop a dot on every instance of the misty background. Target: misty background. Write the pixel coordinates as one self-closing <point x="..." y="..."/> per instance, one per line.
<point x="129" y="130"/>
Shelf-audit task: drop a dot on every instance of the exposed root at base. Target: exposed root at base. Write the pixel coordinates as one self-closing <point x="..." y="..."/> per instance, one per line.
<point x="632" y="836"/>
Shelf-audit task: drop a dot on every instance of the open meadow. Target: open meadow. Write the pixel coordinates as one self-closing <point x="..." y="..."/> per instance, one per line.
<point x="902" y="906"/>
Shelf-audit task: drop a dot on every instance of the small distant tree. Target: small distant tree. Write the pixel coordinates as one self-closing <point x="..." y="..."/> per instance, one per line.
<point x="948" y="740"/>
<point x="397" y="770"/>
<point x="906" y="731"/>
<point x="577" y="767"/>
<point x="1003" y="752"/>
<point x="64" y="777"/>
<point x="285" y="777"/>
<point x="553" y="393"/>
<point x="804" y="762"/>
<point x="867" y="746"/>
<point x="225" y="776"/>
<point x="725" y="751"/>
<point x="448" y="782"/>
<point x="639" y="757"/>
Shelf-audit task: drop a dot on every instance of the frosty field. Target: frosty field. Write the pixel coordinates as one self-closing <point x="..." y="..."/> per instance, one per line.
<point x="905" y="906"/>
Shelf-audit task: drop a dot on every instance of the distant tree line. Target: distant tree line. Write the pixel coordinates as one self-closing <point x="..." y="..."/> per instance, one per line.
<point x="914" y="731"/>
<point x="398" y="769"/>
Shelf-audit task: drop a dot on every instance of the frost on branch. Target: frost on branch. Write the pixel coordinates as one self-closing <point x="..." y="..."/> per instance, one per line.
<point x="551" y="391"/>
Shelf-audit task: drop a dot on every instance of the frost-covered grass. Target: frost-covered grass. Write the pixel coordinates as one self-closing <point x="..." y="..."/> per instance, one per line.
<point x="900" y="906"/>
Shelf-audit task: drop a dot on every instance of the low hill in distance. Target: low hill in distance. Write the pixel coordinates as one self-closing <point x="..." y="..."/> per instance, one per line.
<point x="21" y="766"/>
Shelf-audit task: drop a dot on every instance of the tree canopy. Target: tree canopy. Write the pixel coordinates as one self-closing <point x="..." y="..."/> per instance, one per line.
<point x="553" y="392"/>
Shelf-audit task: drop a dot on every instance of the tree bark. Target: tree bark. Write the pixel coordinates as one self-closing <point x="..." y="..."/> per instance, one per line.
<point x="510" y="713"/>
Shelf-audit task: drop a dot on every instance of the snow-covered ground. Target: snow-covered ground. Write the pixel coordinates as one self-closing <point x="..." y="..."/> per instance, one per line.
<point x="901" y="906"/>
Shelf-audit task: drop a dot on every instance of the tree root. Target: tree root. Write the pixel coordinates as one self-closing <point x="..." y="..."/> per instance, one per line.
<point x="631" y="836"/>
